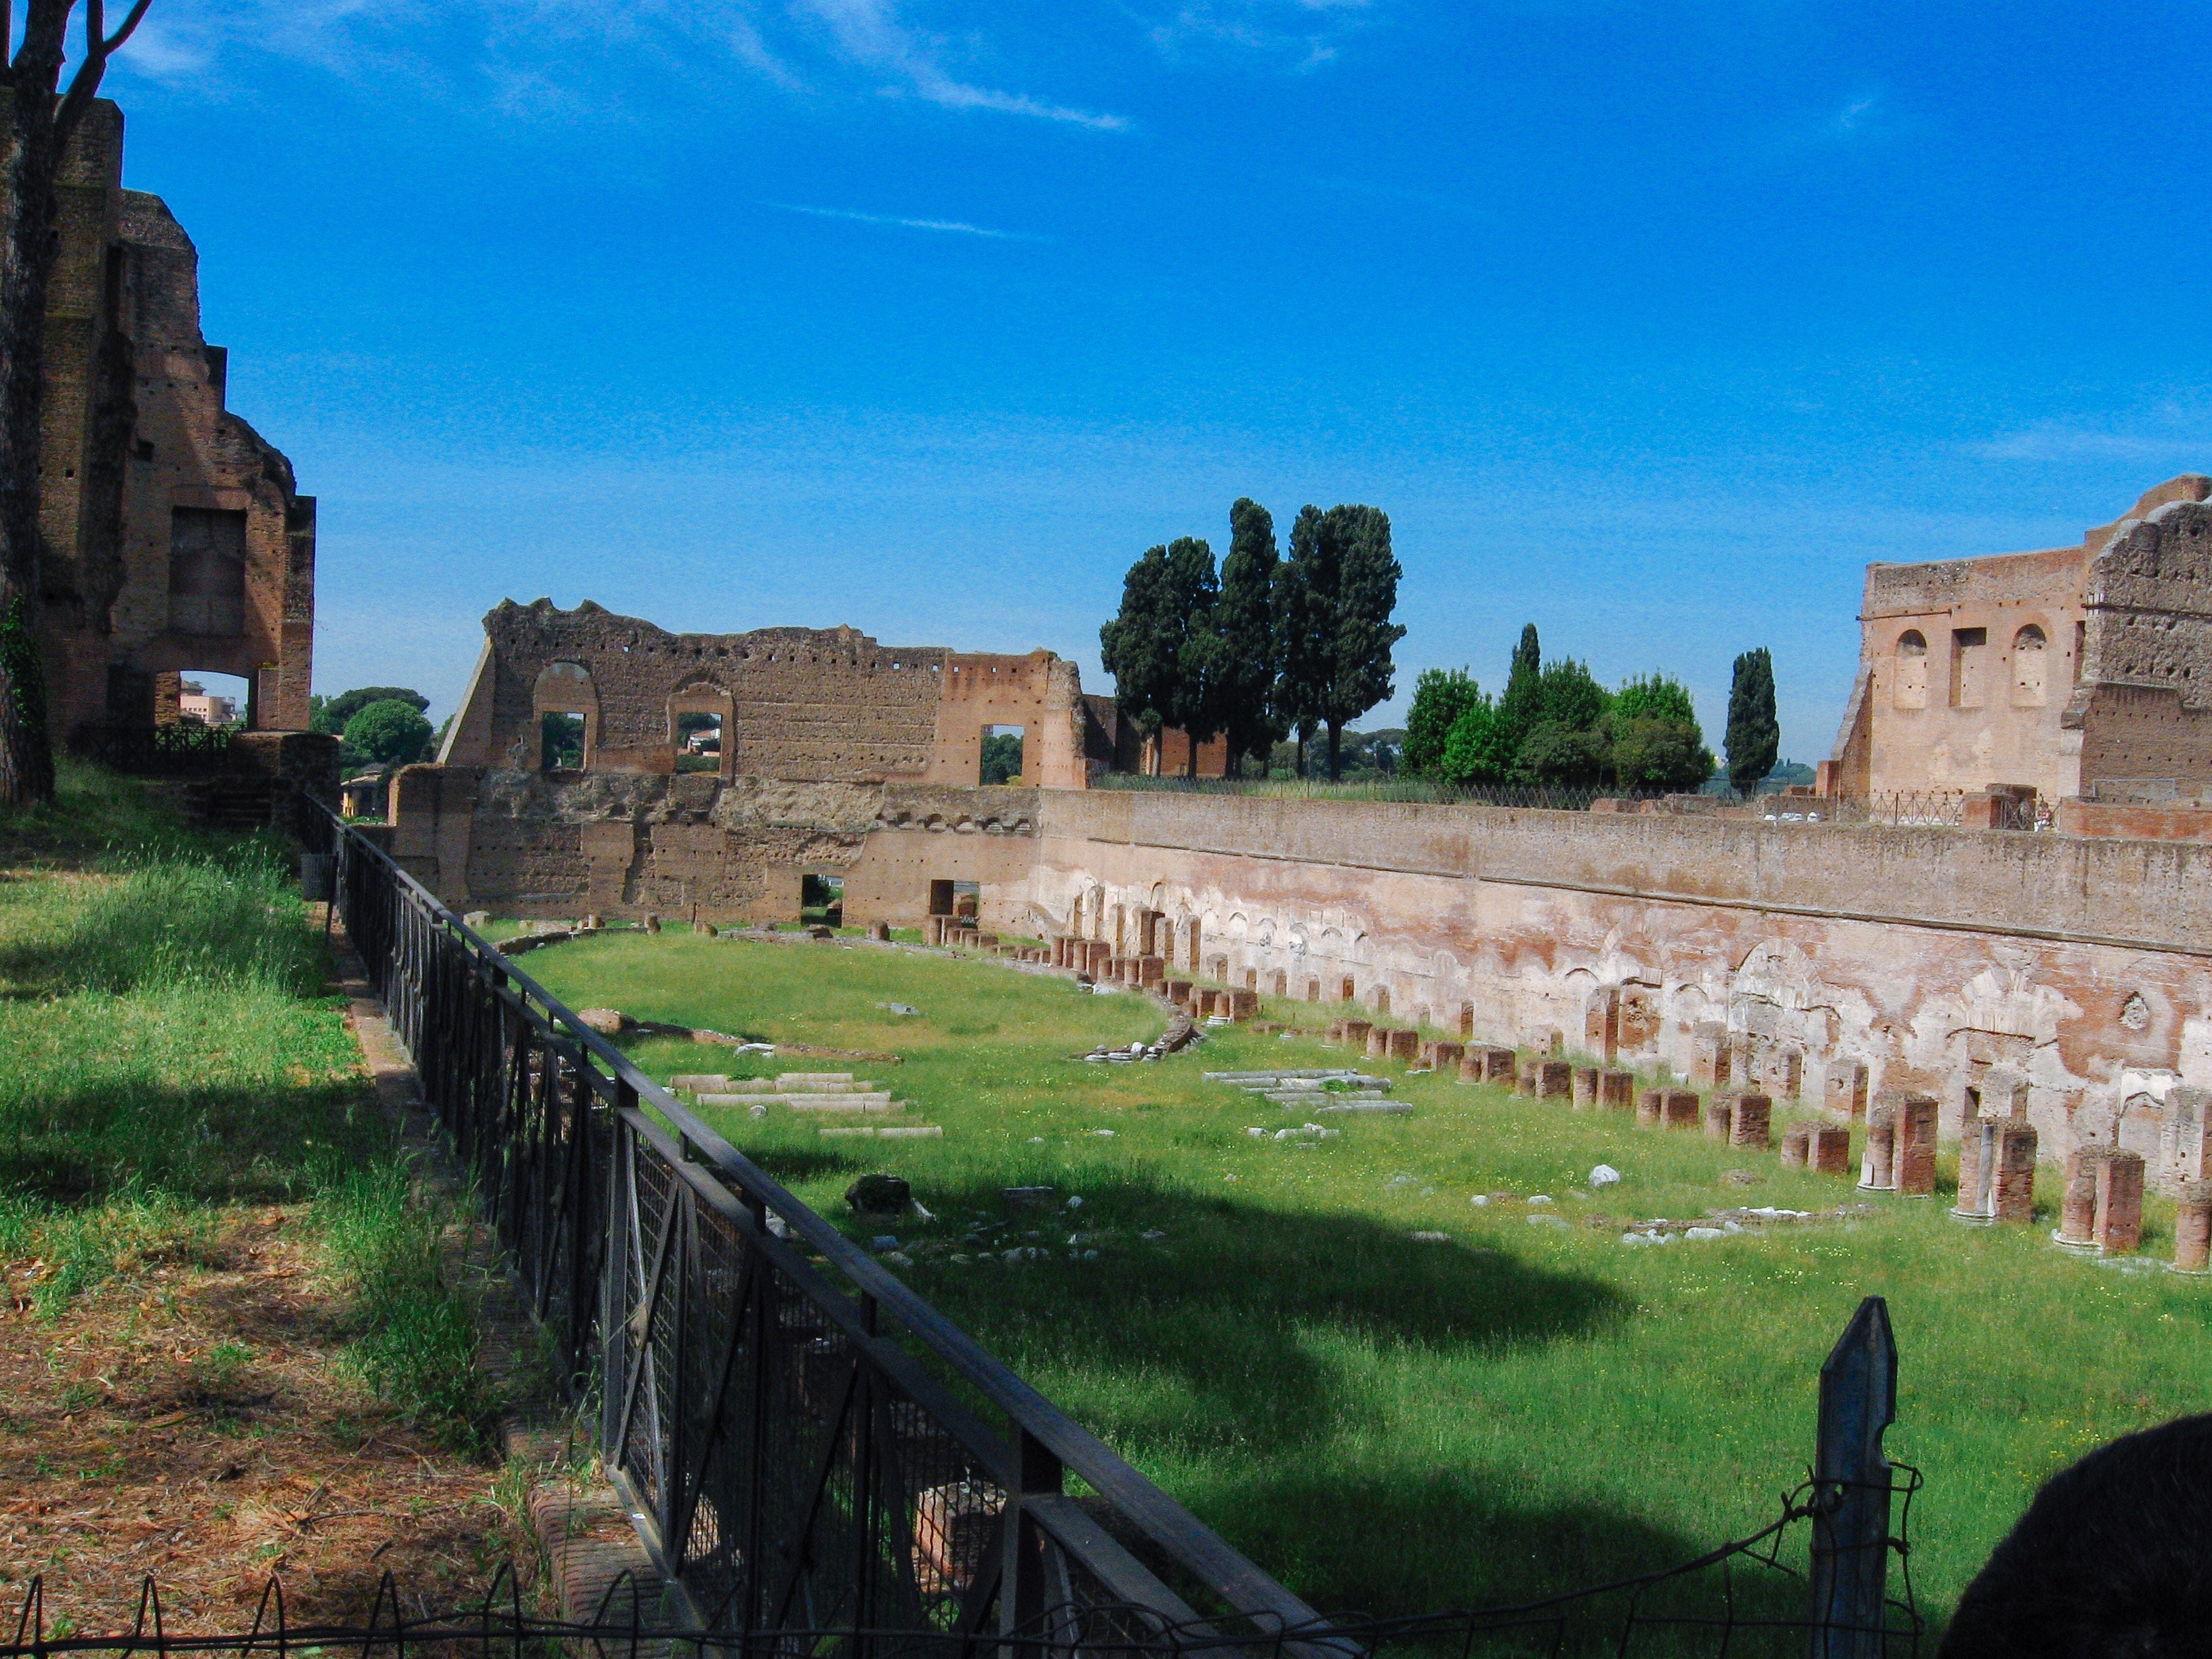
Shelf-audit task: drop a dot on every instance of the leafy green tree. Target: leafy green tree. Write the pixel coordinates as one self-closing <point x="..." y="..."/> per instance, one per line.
<point x="1655" y="740"/>
<point x="391" y="732"/>
<point x="1336" y="649"/>
<point x="1755" y="735"/>
<point x="1247" y="636"/>
<point x="1440" y="696"/>
<point x="1162" y="649"/>
<point x="332" y="715"/>
<point x="1561" y="753"/>
<point x="1475" y="749"/>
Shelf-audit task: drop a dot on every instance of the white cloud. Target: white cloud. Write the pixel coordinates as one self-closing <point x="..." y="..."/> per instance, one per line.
<point x="953" y="225"/>
<point x="566" y="59"/>
<point x="2174" y="436"/>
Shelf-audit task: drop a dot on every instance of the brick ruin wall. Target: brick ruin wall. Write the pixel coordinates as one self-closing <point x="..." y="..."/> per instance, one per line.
<point x="818" y="704"/>
<point x="136" y="433"/>
<point x="2149" y="654"/>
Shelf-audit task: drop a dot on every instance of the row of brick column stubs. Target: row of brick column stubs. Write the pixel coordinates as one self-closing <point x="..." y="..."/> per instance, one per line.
<point x="1900" y="1145"/>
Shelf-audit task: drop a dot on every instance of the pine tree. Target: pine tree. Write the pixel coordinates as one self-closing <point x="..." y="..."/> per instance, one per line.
<point x="1754" y="736"/>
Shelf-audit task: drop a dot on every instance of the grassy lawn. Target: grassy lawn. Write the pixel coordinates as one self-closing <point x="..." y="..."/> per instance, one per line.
<point x="227" y="1346"/>
<point x="1389" y="1423"/>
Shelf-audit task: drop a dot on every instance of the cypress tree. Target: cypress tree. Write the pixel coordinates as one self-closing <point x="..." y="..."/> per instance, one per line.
<point x="1136" y="649"/>
<point x="1754" y="736"/>
<point x="1248" y="635"/>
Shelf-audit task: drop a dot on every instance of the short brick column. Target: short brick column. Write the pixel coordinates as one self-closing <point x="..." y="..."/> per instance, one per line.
<point x="1153" y="970"/>
<point x="1796" y="1146"/>
<point x="1717" y="1116"/>
<point x="1616" y="1090"/>
<point x="1651" y="1109"/>
<point x="1098" y="953"/>
<point x="1750" y="1120"/>
<point x="1915" y="1172"/>
<point x="1403" y="1045"/>
<point x="2119" y="1202"/>
<point x="1378" y="1042"/>
<point x="1585" y="1087"/>
<point x="1244" y="1004"/>
<point x="1555" y="1079"/>
<point x="1832" y="1149"/>
<point x="2192" y="1227"/>
<point x="1709" y="1056"/>
<point x="2012" y="1186"/>
<point x="1880" y="1160"/>
<point x="1446" y="1056"/>
<point x="1178" y="992"/>
<point x="1470" y="1066"/>
<point x="1500" y="1065"/>
<point x="2077" y="1204"/>
<point x="1680" y="1108"/>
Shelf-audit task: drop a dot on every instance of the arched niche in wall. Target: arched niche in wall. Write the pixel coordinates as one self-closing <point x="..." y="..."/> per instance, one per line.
<point x="2029" y="653"/>
<point x="698" y="698"/>
<point x="1909" y="678"/>
<point x="564" y="711"/>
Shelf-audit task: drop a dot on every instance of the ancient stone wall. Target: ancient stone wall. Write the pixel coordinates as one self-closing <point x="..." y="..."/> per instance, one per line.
<point x="796" y="703"/>
<point x="175" y="540"/>
<point x="1782" y="955"/>
<point x="2145" y="710"/>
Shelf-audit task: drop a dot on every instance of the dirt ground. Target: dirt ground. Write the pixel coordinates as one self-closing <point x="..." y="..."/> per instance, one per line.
<point x="192" y="1420"/>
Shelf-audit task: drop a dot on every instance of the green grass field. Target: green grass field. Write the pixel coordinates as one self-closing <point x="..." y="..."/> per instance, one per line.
<point x="1394" y="1425"/>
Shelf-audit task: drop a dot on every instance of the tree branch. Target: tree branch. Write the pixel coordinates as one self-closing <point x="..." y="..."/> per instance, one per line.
<point x="98" y="48"/>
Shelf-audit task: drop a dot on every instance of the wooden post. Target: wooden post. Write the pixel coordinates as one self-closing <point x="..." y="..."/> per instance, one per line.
<point x="1851" y="1499"/>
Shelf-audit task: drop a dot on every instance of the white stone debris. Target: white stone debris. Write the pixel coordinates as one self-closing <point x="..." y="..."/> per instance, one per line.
<point x="901" y="1009"/>
<point x="1432" y="1238"/>
<point x="1257" y="1133"/>
<point x="1074" y="1201"/>
<point x="1107" y="1134"/>
<point x="1547" y="1221"/>
<point x="1701" y="1233"/>
<point x="1539" y="1198"/>
<point x="898" y="1258"/>
<point x="1480" y="1200"/>
<point x="1152" y="1232"/>
<point x="1604" y="1176"/>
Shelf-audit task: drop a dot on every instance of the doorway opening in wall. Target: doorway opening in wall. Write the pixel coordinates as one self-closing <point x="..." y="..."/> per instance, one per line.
<point x="1002" y="754"/>
<point x="561" y="741"/>
<point x="967" y="898"/>
<point x="205" y="699"/>
<point x="821" y="899"/>
<point x="698" y="743"/>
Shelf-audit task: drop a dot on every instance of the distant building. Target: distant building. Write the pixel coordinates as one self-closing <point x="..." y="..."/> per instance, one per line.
<point x="2080" y="670"/>
<point x="174" y="540"/>
<point x="195" y="704"/>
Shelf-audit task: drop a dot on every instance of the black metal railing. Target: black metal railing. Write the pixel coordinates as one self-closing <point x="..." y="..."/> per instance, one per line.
<point x="822" y="1462"/>
<point x="182" y="749"/>
<point x="790" y="1421"/>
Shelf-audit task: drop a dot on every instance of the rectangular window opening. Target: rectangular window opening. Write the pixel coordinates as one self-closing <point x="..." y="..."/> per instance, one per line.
<point x="205" y="699"/>
<point x="1002" y="754"/>
<point x="699" y="741"/>
<point x="561" y="741"/>
<point x="1969" y="652"/>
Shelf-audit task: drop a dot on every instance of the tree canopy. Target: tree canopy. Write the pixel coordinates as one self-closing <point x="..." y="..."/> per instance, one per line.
<point x="1440" y="696"/>
<point x="1247" y="637"/>
<point x="1340" y="589"/>
<point x="391" y="730"/>
<point x="330" y="714"/>
<point x="1162" y="648"/>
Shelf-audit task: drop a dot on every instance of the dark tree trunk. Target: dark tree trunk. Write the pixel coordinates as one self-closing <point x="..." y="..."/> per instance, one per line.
<point x="27" y="261"/>
<point x="1335" y="751"/>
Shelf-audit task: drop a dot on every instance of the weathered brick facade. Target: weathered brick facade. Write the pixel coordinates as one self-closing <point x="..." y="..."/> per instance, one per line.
<point x="2083" y="671"/>
<point x="174" y="539"/>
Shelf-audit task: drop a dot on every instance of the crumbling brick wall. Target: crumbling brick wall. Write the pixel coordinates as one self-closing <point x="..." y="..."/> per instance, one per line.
<point x="136" y="433"/>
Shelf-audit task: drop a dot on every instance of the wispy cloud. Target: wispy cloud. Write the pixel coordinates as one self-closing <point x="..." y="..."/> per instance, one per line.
<point x="1302" y="34"/>
<point x="954" y="226"/>
<point x="872" y="33"/>
<point x="562" y="58"/>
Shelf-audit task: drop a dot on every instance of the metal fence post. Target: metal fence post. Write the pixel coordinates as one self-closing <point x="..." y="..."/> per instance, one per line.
<point x="1851" y="1488"/>
<point x="1023" y="1589"/>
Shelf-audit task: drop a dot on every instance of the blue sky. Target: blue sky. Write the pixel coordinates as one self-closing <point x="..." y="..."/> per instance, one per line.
<point x="1650" y="322"/>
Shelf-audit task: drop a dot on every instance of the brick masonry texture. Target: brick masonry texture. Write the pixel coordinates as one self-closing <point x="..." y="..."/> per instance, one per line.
<point x="143" y="469"/>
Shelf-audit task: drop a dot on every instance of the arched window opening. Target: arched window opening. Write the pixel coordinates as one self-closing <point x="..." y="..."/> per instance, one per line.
<point x="1909" y="684"/>
<point x="2028" y="657"/>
